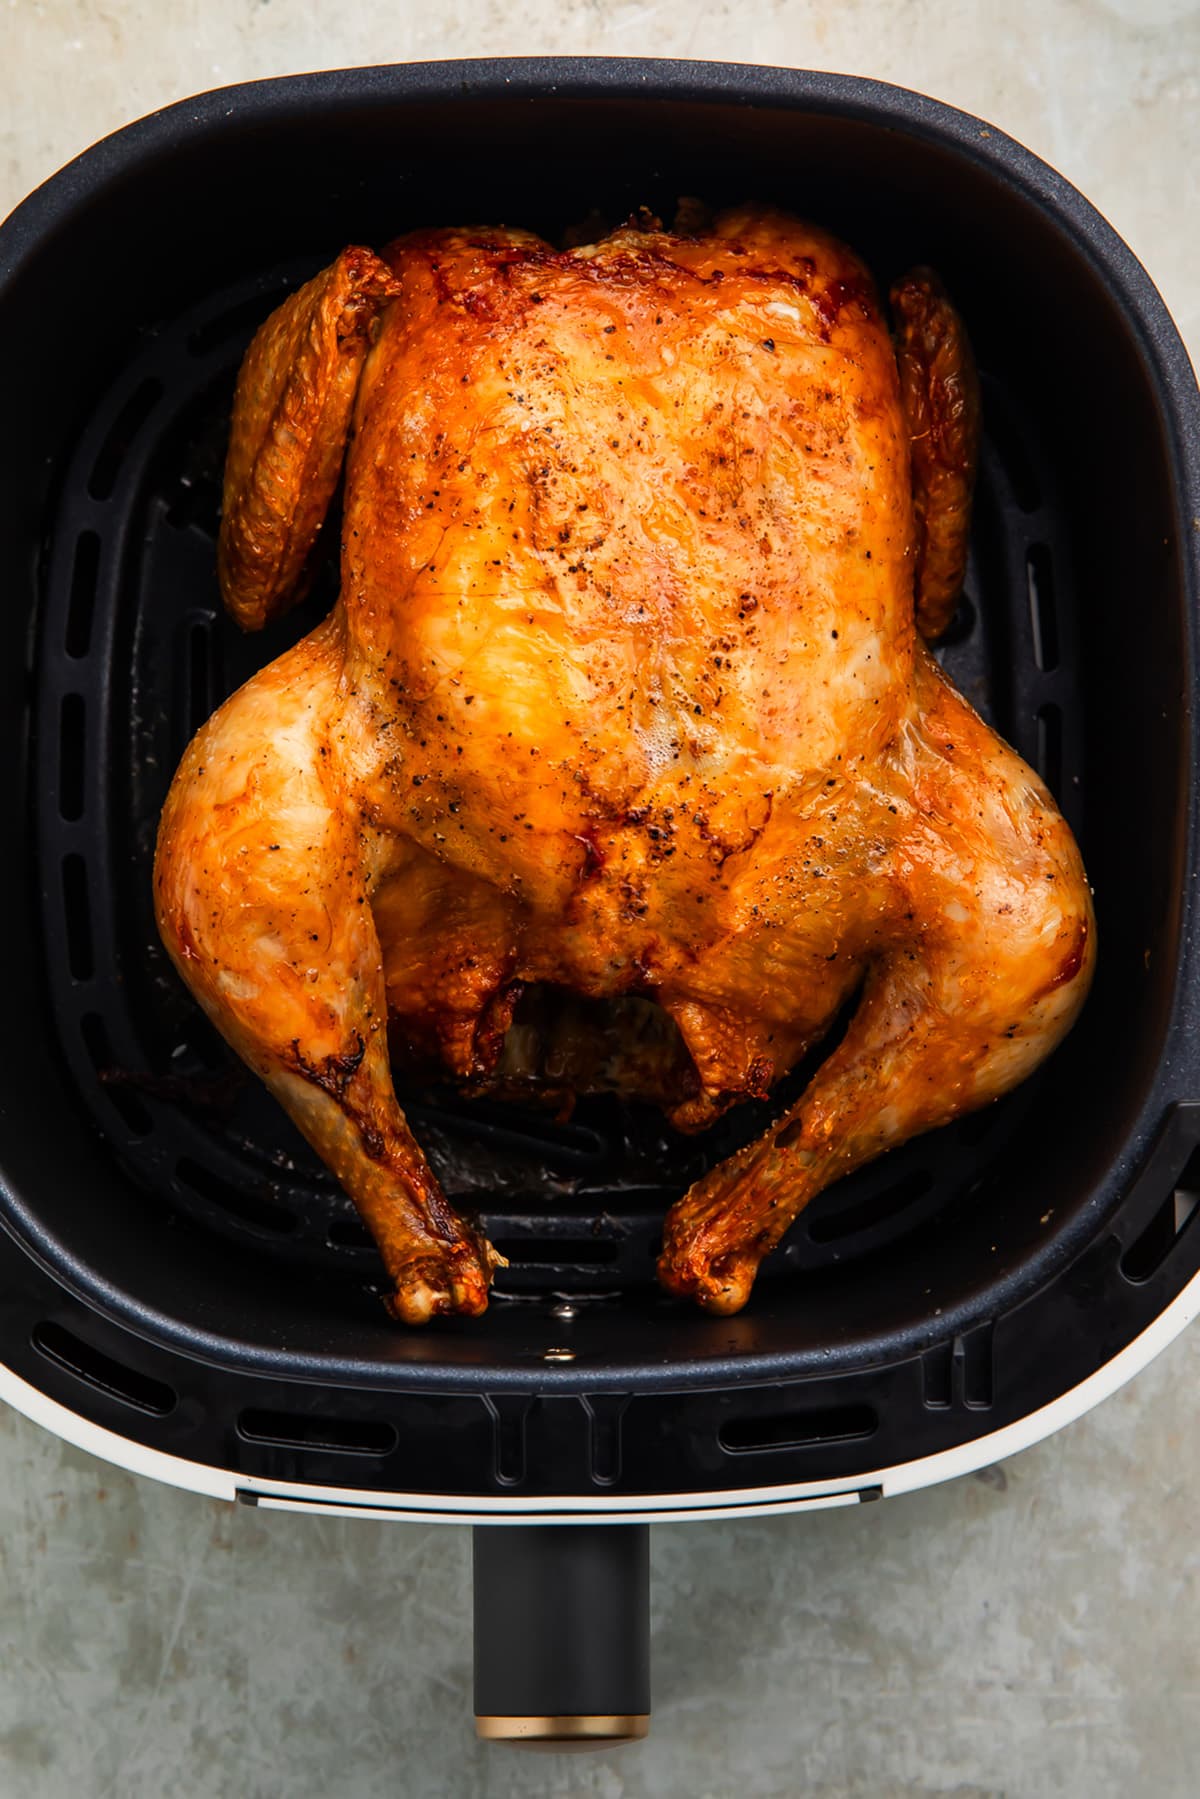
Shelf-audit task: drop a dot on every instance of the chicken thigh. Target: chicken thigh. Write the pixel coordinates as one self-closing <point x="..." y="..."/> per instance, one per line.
<point x="625" y="698"/>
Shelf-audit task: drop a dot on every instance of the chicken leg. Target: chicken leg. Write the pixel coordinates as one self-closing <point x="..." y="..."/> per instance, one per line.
<point x="263" y="881"/>
<point x="976" y="989"/>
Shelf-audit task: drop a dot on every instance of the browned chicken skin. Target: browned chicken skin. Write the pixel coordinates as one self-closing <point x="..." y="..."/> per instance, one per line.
<point x="622" y="695"/>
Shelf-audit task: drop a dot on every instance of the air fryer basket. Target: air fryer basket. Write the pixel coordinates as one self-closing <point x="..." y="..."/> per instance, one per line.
<point x="177" y="1267"/>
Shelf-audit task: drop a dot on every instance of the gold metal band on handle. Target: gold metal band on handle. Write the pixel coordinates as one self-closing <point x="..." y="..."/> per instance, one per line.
<point x="568" y="1729"/>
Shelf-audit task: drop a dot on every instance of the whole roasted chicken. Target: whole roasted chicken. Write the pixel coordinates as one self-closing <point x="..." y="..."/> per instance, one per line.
<point x="625" y="704"/>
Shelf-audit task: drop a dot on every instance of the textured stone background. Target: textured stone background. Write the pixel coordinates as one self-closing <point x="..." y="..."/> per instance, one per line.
<point x="1033" y="1630"/>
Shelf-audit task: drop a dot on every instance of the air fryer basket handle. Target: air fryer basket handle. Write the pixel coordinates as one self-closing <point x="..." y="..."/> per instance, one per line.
<point x="562" y="1632"/>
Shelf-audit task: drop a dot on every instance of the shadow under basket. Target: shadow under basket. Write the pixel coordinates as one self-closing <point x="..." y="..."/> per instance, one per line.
<point x="177" y="1267"/>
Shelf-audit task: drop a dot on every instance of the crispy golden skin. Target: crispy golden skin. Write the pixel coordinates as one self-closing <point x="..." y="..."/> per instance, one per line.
<point x="622" y="695"/>
<point x="939" y="391"/>
<point x="294" y="397"/>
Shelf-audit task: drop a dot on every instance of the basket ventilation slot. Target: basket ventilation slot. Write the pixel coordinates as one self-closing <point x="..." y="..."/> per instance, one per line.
<point x="799" y="1430"/>
<point x="298" y="1430"/>
<point x="1147" y="1253"/>
<point x="86" y="1363"/>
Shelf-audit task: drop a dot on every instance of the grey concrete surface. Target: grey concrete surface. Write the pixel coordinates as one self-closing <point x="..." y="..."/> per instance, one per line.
<point x="1032" y="1630"/>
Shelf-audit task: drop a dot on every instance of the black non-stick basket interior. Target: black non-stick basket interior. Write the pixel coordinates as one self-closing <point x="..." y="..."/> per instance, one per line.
<point x="156" y="1180"/>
